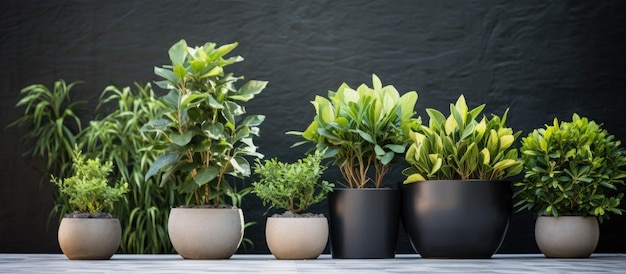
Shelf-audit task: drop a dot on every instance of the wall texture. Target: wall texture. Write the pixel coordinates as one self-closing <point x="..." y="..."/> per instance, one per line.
<point x="541" y="59"/>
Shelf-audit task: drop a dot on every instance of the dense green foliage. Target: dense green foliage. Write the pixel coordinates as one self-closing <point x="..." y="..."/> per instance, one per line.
<point x="571" y="168"/>
<point x="88" y="189"/>
<point x="362" y="128"/>
<point x="291" y="186"/>
<point x="460" y="147"/>
<point x="202" y="121"/>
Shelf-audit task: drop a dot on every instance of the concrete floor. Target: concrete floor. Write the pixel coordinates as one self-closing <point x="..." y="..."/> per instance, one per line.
<point x="128" y="263"/>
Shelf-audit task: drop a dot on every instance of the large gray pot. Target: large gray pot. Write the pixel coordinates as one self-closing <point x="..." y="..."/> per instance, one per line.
<point x="89" y="238"/>
<point x="567" y="236"/>
<point x="206" y="233"/>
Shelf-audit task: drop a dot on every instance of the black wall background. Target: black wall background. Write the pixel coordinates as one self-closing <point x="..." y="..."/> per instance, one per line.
<point x="541" y="59"/>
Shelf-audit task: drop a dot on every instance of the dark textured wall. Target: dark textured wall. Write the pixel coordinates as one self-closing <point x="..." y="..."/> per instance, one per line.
<point x="543" y="59"/>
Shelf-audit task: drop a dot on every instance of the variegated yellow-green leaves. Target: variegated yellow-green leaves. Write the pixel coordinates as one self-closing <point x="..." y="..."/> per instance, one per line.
<point x="460" y="147"/>
<point x="569" y="167"/>
<point x="361" y="128"/>
<point x="203" y="121"/>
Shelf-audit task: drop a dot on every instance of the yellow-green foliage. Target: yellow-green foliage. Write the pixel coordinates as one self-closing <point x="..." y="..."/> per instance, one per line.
<point x="570" y="168"/>
<point x="460" y="147"/>
<point x="362" y="128"/>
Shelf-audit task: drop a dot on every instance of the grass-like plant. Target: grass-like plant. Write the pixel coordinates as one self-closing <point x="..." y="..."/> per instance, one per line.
<point x="88" y="189"/>
<point x="53" y="124"/>
<point x="362" y="128"/>
<point x="572" y="168"/>
<point x="460" y="147"/>
<point x="291" y="186"/>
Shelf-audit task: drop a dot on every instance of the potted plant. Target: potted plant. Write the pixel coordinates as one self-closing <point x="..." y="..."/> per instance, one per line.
<point x="209" y="140"/>
<point x="364" y="130"/>
<point x="293" y="187"/>
<point x="89" y="233"/>
<point x="455" y="202"/>
<point x="571" y="173"/>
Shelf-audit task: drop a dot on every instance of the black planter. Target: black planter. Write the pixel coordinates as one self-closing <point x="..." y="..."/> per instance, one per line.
<point x="364" y="223"/>
<point x="456" y="219"/>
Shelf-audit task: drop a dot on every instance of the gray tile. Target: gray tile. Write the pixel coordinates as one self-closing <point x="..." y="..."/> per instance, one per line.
<point x="135" y="264"/>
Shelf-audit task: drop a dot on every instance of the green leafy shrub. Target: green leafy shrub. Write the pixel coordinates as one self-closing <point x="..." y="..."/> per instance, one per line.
<point x="88" y="189"/>
<point x="460" y="147"/>
<point x="570" y="169"/>
<point x="291" y="186"/>
<point x="208" y="140"/>
<point x="362" y="128"/>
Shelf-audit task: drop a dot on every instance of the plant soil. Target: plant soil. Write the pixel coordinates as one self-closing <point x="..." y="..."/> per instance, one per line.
<point x="289" y="214"/>
<point x="99" y="215"/>
<point x="208" y="206"/>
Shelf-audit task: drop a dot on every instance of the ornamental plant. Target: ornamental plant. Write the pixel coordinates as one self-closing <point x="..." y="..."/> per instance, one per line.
<point x="460" y="147"/>
<point x="88" y="189"/>
<point x="572" y="168"/>
<point x="115" y="135"/>
<point x="209" y="136"/>
<point x="291" y="186"/>
<point x="362" y="128"/>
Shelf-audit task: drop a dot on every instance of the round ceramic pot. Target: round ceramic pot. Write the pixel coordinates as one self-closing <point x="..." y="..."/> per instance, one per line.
<point x="89" y="238"/>
<point x="567" y="236"/>
<point x="296" y="238"/>
<point x="206" y="233"/>
<point x="364" y="223"/>
<point x="456" y="219"/>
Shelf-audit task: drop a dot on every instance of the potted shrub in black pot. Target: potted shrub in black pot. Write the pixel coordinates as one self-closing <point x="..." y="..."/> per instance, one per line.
<point x="455" y="203"/>
<point x="294" y="187"/>
<point x="364" y="130"/>
<point x="89" y="233"/>
<point x="572" y="170"/>
<point x="209" y="140"/>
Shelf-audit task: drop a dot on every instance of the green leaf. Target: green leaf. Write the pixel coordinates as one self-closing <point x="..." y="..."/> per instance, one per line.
<point x="253" y="120"/>
<point x="178" y="52"/>
<point x="162" y="161"/>
<point x="205" y="175"/>
<point x="181" y="139"/>
<point x="167" y="74"/>
<point x="366" y="136"/>
<point x="249" y="90"/>
<point x="214" y="131"/>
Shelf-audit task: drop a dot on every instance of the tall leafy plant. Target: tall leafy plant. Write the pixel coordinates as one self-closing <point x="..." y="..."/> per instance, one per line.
<point x="117" y="137"/>
<point x="572" y="168"/>
<point x="362" y="128"/>
<point x="461" y="147"/>
<point x="204" y="123"/>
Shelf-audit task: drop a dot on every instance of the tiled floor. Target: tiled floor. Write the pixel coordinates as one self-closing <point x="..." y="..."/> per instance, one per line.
<point x="527" y="263"/>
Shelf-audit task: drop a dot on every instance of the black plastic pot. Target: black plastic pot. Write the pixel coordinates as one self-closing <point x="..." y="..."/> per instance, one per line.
<point x="364" y="223"/>
<point x="456" y="219"/>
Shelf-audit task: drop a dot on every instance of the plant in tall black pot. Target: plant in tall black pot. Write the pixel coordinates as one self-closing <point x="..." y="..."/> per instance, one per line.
<point x="364" y="130"/>
<point x="455" y="203"/>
